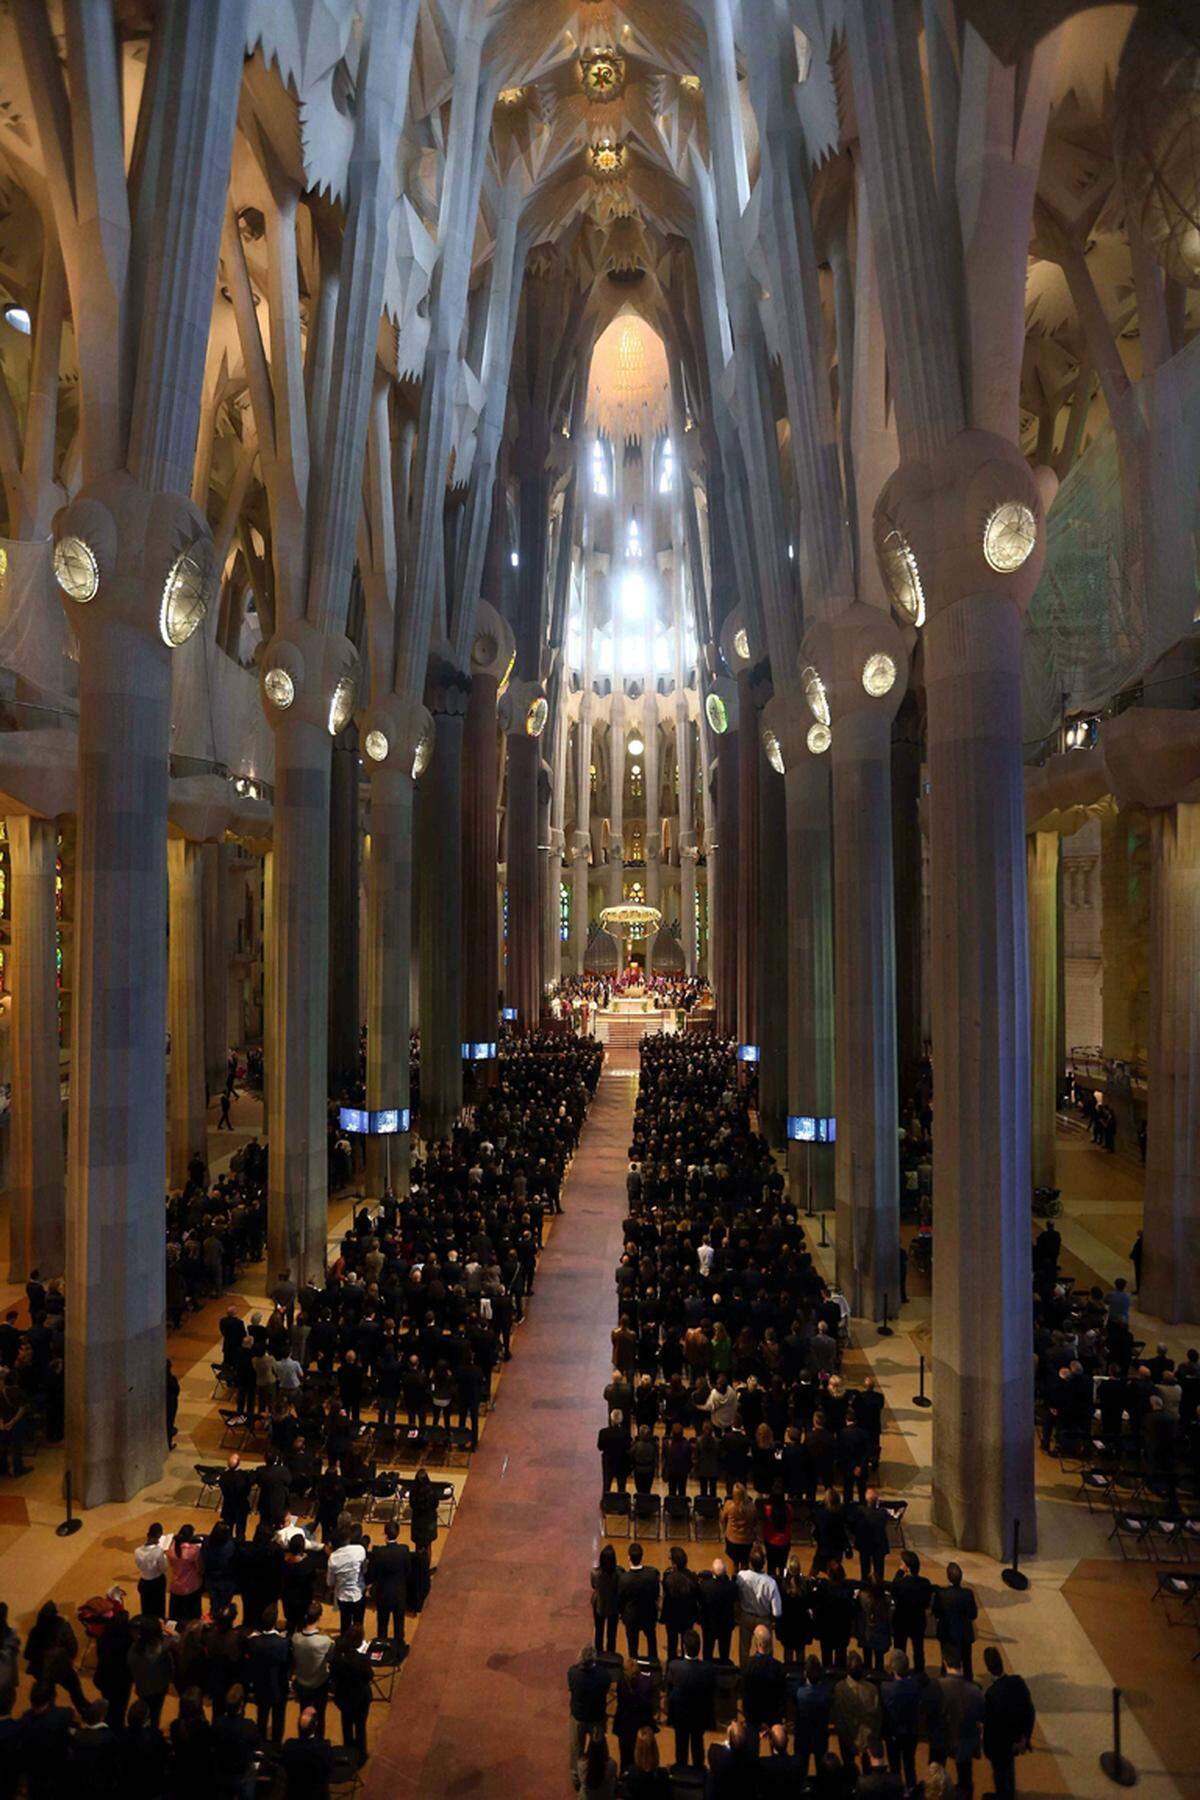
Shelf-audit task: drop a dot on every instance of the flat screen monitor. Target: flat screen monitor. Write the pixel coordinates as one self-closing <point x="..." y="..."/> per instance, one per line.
<point x="802" y="1128"/>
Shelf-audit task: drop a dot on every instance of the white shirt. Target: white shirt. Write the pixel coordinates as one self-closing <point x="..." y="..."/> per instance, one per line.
<point x="150" y="1560"/>
<point x="704" y="1256"/>
<point x="758" y="1593"/>
<point x="346" y="1573"/>
<point x="722" y="1406"/>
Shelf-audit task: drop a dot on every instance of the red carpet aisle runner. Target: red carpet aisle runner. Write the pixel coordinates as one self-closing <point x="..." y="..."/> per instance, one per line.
<point x="481" y="1704"/>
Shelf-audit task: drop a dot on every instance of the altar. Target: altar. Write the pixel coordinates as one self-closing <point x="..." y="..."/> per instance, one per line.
<point x="631" y="1016"/>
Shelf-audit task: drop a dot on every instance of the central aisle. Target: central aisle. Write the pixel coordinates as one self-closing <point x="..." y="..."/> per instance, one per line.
<point x="481" y="1704"/>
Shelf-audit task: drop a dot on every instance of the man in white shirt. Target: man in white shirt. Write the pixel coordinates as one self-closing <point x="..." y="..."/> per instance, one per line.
<point x="758" y="1600"/>
<point x="704" y="1256"/>
<point x="722" y="1404"/>
<point x="346" y="1566"/>
<point x="311" y="1650"/>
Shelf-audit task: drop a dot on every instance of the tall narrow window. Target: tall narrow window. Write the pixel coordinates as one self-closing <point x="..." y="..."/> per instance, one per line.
<point x="564" y="911"/>
<point x="666" y="473"/>
<point x="599" y="469"/>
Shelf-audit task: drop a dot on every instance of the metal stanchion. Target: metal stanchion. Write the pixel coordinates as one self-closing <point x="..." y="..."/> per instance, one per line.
<point x="824" y="1240"/>
<point x="1015" y="1577"/>
<point x="70" y="1524"/>
<point x="1118" y="1768"/>
<point x="922" y="1399"/>
<point x="885" y="1329"/>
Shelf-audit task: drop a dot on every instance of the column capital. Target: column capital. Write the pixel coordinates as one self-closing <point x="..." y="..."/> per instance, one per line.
<point x="399" y="733"/>
<point x="524" y="709"/>
<point x="124" y="552"/>
<point x="859" y="659"/>
<point x="308" y="675"/>
<point x="494" y="648"/>
<point x="970" y="519"/>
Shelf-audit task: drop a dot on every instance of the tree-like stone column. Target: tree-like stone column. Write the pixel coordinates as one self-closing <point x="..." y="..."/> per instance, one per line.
<point x="1042" y="883"/>
<point x="983" y="1422"/>
<point x="1171" y="1259"/>
<point x="37" y="1216"/>
<point x="440" y="906"/>
<point x="185" y="1006"/>
<point x="481" y="778"/>
<point x="861" y="659"/>
<point x="523" y="712"/>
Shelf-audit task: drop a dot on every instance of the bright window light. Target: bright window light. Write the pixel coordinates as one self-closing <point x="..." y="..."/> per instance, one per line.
<point x="633" y="539"/>
<point x="604" y="653"/>
<point x="633" y="655"/>
<point x="514" y="557"/>
<point x="666" y="478"/>
<point x="662" y="656"/>
<point x="633" y="594"/>
<point x="599" y="470"/>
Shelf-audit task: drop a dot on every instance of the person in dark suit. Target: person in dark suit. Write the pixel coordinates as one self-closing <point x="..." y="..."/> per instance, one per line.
<point x="691" y="1689"/>
<point x="45" y="1733"/>
<point x="387" y="1572"/>
<point x="307" y="1761"/>
<point x="812" y="1697"/>
<point x="274" y="1483"/>
<point x="764" y="1687"/>
<point x="718" y="1593"/>
<point x="912" y="1594"/>
<point x="901" y="1697"/>
<point x="955" y="1613"/>
<point x="235" y="1485"/>
<point x="637" y="1598"/>
<point x="268" y="1654"/>
<point x="733" y="1766"/>
<point x="869" y="1528"/>
<point x="877" y="1780"/>
<point x="587" y="1684"/>
<point x="778" y="1776"/>
<point x="93" y="1765"/>
<point x="1009" y="1717"/>
<point x="612" y="1441"/>
<point x="956" y="1723"/>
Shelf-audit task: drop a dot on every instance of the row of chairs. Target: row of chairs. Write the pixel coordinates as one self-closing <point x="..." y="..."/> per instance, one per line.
<point x="386" y="1494"/>
<point x="697" y="1517"/>
<point x="444" y="1445"/>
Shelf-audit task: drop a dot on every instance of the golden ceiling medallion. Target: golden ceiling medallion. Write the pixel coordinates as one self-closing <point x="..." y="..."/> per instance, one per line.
<point x="608" y="157"/>
<point x="602" y="73"/>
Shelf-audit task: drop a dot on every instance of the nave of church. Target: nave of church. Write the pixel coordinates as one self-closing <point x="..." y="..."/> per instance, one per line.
<point x="599" y="896"/>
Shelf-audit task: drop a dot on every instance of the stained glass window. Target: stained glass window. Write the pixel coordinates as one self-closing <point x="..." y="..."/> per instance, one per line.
<point x="505" y="924"/>
<point x="58" y="889"/>
<point x="564" y="911"/>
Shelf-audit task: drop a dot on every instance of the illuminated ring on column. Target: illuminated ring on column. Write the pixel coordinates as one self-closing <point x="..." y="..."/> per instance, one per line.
<point x="284" y="678"/>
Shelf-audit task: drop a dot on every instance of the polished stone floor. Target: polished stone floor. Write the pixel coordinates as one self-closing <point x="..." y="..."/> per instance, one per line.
<point x="480" y="1707"/>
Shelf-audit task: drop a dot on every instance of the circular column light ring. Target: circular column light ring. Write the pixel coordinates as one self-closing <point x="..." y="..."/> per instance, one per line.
<point x="773" y="751"/>
<point x="717" y="714"/>
<point x="819" y="738"/>
<point x="1009" y="536"/>
<point x="185" y="595"/>
<point x="879" y="674"/>
<point x="903" y="577"/>
<point x="535" y="718"/>
<point x="422" y="752"/>
<point x="76" y="570"/>
<point x="280" y="688"/>
<point x="376" y="745"/>
<point x="741" y="643"/>
<point x="341" y="704"/>
<point x="814" y="693"/>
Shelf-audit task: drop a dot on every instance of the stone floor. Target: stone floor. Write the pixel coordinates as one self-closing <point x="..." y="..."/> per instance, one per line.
<point x="481" y="1704"/>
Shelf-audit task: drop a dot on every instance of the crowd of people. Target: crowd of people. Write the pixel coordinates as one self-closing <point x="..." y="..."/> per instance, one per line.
<point x="726" y="1390"/>
<point x="578" y="998"/>
<point x="214" y="1229"/>
<point x="417" y="1310"/>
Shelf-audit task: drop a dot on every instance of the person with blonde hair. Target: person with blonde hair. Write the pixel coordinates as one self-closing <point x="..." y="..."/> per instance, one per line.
<point x="647" y="1779"/>
<point x="739" y="1523"/>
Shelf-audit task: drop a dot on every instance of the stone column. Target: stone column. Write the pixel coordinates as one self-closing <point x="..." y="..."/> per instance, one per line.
<point x="440" y="877"/>
<point x="185" y="1006"/>
<point x="344" y="1019"/>
<point x="809" y="925"/>
<point x="1171" y="1266"/>
<point x="749" y="755"/>
<point x="298" y="1183"/>
<point x="116" y="1340"/>
<point x="908" y="884"/>
<point x="771" y="972"/>
<point x="217" y="1028"/>
<point x="725" y="948"/>
<point x="389" y="952"/>
<point x="37" y="1217"/>
<point x="863" y="644"/>
<point x="481" y="774"/>
<point x="1123" y="933"/>
<point x="549" y="866"/>
<point x="615" y="878"/>
<point x="685" y="834"/>
<point x="983" y="1419"/>
<point x="650" y="787"/>
<point x="524" y="985"/>
<point x="1042" y="854"/>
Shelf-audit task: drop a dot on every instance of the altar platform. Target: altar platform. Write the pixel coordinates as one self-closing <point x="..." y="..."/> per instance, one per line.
<point x="630" y="1017"/>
